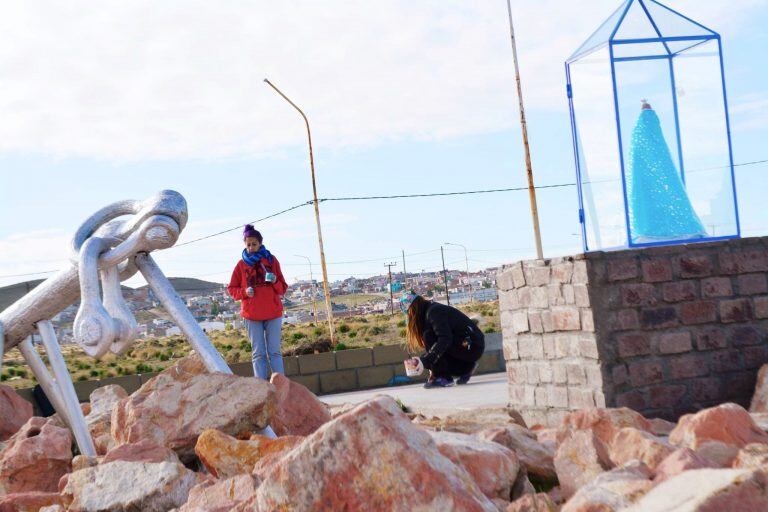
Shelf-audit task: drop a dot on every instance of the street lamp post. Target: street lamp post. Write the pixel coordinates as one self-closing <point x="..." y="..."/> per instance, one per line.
<point x="466" y="261"/>
<point x="312" y="282"/>
<point x="326" y="288"/>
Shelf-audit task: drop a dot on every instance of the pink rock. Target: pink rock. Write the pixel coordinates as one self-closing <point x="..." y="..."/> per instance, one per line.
<point x="579" y="459"/>
<point x="760" y="419"/>
<point x="99" y="418"/>
<point x="14" y="412"/>
<point x="540" y="502"/>
<point x="28" y="501"/>
<point x="224" y="456"/>
<point x="603" y="422"/>
<point x="752" y="456"/>
<point x="718" y="454"/>
<point x="547" y="437"/>
<point x="660" y="427"/>
<point x="221" y="496"/>
<point x="633" y="444"/>
<point x="35" y="458"/>
<point x="493" y="467"/>
<point x="760" y="398"/>
<point x="613" y="490"/>
<point x="145" y="450"/>
<point x="124" y="485"/>
<point x="371" y="458"/>
<point x="298" y="412"/>
<point x="678" y="461"/>
<point x="728" y="423"/>
<point x="536" y="457"/>
<point x="708" y="490"/>
<point x="174" y="407"/>
<point x="471" y="421"/>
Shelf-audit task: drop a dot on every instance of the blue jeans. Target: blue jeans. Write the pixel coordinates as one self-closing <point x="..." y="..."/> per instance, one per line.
<point x="265" y="339"/>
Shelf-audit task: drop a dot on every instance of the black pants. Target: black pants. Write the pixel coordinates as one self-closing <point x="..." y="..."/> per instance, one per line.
<point x="460" y="360"/>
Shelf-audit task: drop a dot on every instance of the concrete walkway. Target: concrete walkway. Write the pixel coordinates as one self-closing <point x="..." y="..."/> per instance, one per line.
<point x="489" y="390"/>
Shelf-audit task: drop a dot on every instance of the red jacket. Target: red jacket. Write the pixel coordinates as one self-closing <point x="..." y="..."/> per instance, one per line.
<point x="265" y="303"/>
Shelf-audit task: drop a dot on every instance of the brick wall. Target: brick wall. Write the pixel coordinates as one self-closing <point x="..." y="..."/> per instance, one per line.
<point x="663" y="330"/>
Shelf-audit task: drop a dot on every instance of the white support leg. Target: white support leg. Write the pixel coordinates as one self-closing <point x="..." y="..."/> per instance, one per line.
<point x="165" y="292"/>
<point x="43" y="376"/>
<point x="69" y="396"/>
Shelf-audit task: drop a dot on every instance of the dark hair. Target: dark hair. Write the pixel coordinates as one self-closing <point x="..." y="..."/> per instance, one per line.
<point x="250" y="232"/>
<point x="416" y="315"/>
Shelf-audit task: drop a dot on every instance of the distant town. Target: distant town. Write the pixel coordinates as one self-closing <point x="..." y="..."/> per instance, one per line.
<point x="304" y="302"/>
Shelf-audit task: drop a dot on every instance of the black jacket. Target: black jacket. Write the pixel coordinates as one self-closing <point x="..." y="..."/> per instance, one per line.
<point x="445" y="331"/>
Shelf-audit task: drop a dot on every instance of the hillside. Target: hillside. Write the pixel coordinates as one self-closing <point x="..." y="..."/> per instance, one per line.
<point x="12" y="293"/>
<point x="189" y="284"/>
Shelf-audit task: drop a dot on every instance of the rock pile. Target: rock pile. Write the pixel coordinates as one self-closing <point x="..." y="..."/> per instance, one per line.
<point x="189" y="441"/>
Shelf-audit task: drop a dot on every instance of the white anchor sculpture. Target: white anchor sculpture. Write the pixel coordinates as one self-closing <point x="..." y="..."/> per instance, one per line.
<point x="111" y="245"/>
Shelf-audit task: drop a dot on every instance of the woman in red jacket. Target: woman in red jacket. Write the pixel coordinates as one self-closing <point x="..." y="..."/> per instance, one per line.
<point x="258" y="282"/>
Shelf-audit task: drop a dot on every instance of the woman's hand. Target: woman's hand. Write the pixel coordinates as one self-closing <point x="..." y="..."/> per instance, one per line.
<point x="249" y="291"/>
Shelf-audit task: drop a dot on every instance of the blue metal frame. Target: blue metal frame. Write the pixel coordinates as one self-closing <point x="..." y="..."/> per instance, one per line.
<point x="611" y="42"/>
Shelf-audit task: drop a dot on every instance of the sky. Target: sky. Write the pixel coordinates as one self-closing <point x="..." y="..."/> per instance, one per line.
<point x="120" y="99"/>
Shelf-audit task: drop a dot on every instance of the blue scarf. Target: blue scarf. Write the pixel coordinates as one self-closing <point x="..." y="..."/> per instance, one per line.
<point x="254" y="259"/>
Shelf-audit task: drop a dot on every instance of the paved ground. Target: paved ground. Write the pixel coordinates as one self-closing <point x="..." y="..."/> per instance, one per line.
<point x="489" y="390"/>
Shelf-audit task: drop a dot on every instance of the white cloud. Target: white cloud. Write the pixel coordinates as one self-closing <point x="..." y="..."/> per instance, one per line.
<point x="130" y="80"/>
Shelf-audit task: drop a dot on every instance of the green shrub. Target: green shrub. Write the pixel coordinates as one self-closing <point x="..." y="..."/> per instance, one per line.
<point x="343" y="328"/>
<point x="20" y="372"/>
<point x="339" y="346"/>
<point x="401" y="323"/>
<point x="94" y="373"/>
<point x="317" y="332"/>
<point x="298" y="335"/>
<point x="352" y="334"/>
<point x="489" y="329"/>
<point x="82" y="378"/>
<point x="401" y="333"/>
<point x="376" y="330"/>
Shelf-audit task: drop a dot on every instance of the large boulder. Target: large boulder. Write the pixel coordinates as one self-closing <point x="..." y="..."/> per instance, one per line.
<point x="708" y="490"/>
<point x="728" y="423"/>
<point x="222" y="495"/>
<point x="28" y="501"/>
<point x="371" y="458"/>
<point x="224" y="456"/>
<point x="493" y="467"/>
<point x="678" y="461"/>
<point x="125" y="486"/>
<point x="298" y="412"/>
<point x="605" y="423"/>
<point x="35" y="458"/>
<point x="717" y="453"/>
<point x="632" y="444"/>
<point x="536" y="457"/>
<point x="613" y="490"/>
<point x="99" y="419"/>
<point x="760" y="398"/>
<point x="174" y="407"/>
<point x="14" y="412"/>
<point x="579" y="459"/>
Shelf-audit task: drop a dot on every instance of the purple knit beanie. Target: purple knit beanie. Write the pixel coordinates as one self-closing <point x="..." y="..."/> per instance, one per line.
<point x="250" y="232"/>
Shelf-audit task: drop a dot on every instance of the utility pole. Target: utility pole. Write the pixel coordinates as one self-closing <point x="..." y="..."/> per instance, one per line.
<point x="524" y="127"/>
<point x="391" y="293"/>
<point x="312" y="283"/>
<point x="326" y="286"/>
<point x="445" y="277"/>
<point x="466" y="262"/>
<point x="405" y="274"/>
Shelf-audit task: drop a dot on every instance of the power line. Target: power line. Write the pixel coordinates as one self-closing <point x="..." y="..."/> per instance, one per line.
<point x="281" y="212"/>
<point x="439" y="194"/>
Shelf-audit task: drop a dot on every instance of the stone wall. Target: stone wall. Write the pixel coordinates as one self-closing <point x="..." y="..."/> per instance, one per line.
<point x="325" y="373"/>
<point x="663" y="330"/>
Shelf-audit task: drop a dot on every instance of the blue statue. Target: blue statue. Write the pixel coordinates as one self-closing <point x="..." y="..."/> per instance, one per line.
<point x="659" y="208"/>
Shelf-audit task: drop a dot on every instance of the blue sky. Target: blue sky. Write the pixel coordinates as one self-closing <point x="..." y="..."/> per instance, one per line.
<point x="130" y="99"/>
